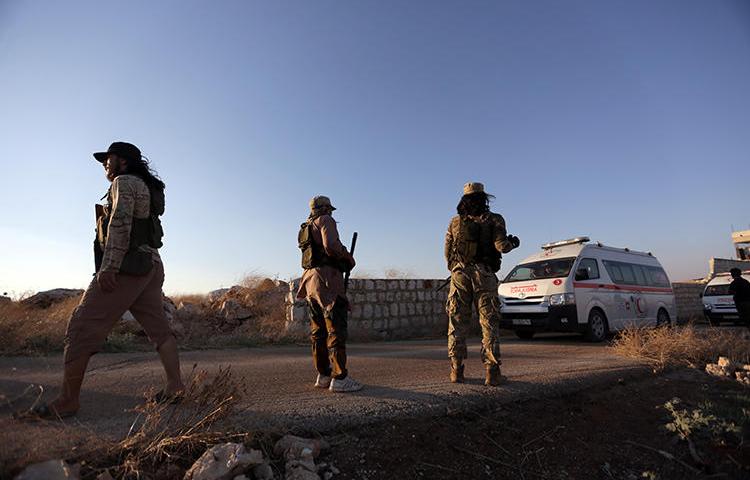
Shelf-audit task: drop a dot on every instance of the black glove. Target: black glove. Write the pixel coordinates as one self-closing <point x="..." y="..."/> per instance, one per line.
<point x="515" y="241"/>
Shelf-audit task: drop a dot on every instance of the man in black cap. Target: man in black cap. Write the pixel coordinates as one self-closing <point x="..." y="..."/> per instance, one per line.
<point x="129" y="276"/>
<point x="740" y="290"/>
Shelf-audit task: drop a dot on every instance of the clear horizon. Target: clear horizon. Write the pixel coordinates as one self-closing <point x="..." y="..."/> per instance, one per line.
<point x="628" y="122"/>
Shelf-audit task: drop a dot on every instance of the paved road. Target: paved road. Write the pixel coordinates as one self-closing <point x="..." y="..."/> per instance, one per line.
<point x="401" y="378"/>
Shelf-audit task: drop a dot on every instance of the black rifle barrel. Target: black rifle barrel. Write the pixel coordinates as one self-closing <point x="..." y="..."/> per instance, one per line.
<point x="348" y="274"/>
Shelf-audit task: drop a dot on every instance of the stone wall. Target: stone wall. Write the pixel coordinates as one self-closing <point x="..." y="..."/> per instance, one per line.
<point x="688" y="299"/>
<point x="723" y="265"/>
<point x="384" y="309"/>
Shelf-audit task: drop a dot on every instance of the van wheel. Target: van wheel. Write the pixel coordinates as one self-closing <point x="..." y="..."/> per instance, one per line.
<point x="662" y="319"/>
<point x="525" y="334"/>
<point x="597" y="329"/>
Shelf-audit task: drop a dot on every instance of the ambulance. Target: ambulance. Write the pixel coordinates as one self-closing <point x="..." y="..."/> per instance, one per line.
<point x="589" y="288"/>
<point x="718" y="304"/>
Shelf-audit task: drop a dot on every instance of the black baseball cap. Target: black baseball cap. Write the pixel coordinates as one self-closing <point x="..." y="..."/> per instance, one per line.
<point x="122" y="149"/>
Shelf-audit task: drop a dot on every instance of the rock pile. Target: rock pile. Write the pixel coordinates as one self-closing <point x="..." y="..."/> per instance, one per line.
<point x="226" y="309"/>
<point x="724" y="367"/>
<point x="50" y="297"/>
<point x="299" y="455"/>
<point x="225" y="461"/>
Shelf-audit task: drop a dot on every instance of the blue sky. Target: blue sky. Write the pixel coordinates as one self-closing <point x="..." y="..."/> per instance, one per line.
<point x="628" y="121"/>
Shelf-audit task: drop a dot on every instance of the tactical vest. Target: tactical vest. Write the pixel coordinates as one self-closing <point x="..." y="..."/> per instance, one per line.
<point x="313" y="255"/>
<point x="475" y="243"/>
<point x="143" y="231"/>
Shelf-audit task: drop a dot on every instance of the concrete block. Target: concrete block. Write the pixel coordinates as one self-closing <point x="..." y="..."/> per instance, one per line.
<point x="380" y="284"/>
<point x="403" y="309"/>
<point x="372" y="297"/>
<point x="367" y="311"/>
<point x="369" y="285"/>
<point x="394" y="309"/>
<point x="411" y="309"/>
<point x="411" y="285"/>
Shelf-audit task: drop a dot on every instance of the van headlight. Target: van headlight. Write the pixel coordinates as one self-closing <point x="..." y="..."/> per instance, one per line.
<point x="562" y="299"/>
<point x="708" y="306"/>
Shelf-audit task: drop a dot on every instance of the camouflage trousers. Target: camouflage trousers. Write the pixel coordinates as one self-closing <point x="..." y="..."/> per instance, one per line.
<point x="473" y="286"/>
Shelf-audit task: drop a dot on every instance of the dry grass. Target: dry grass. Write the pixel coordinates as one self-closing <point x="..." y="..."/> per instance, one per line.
<point x="165" y="440"/>
<point x="682" y="346"/>
<point x="196" y="298"/>
<point x="395" y="273"/>
<point x="29" y="330"/>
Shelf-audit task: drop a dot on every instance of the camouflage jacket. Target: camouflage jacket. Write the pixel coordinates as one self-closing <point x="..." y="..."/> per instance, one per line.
<point x="129" y="198"/>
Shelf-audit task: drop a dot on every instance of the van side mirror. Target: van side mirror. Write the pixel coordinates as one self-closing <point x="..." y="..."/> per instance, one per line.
<point x="582" y="274"/>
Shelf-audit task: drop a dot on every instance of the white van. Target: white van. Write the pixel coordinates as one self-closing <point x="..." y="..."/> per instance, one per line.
<point x="574" y="286"/>
<point x="718" y="304"/>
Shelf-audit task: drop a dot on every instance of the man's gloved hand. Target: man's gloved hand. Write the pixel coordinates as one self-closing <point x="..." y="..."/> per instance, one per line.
<point x="350" y="261"/>
<point x="515" y="241"/>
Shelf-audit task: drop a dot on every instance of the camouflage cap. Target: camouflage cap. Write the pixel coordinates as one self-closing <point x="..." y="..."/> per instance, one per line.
<point x="473" y="187"/>
<point x="320" y="201"/>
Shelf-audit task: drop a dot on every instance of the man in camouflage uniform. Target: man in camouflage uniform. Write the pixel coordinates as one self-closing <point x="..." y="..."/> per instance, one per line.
<point x="325" y="259"/>
<point x="474" y="245"/>
<point x="129" y="276"/>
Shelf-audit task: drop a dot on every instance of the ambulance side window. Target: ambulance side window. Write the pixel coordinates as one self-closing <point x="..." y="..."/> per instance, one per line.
<point x="658" y="277"/>
<point x="614" y="271"/>
<point x="591" y="266"/>
<point x="640" y="275"/>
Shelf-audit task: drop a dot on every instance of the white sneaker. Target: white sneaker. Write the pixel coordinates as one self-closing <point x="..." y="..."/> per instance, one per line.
<point x="323" y="381"/>
<point x="348" y="384"/>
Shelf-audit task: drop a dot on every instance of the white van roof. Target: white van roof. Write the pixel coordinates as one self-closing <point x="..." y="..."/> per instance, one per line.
<point x="576" y="246"/>
<point x="726" y="278"/>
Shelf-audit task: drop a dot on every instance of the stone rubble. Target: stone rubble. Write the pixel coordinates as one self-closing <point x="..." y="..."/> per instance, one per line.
<point x="724" y="367"/>
<point x="300" y="454"/>
<point x="50" y="297"/>
<point x="224" y="462"/>
<point x="50" y="470"/>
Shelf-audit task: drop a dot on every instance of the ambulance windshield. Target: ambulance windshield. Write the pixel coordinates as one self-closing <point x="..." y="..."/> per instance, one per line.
<point x="559" y="267"/>
<point x="716" y="290"/>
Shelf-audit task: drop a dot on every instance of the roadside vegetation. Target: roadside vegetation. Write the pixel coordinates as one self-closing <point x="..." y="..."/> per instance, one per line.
<point x="26" y="330"/>
<point x="682" y="346"/>
<point x="249" y="314"/>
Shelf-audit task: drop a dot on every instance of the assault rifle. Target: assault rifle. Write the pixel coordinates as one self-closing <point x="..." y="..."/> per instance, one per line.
<point x="348" y="273"/>
<point x="444" y="284"/>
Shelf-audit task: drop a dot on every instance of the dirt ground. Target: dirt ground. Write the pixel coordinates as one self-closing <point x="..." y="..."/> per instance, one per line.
<point x="611" y="433"/>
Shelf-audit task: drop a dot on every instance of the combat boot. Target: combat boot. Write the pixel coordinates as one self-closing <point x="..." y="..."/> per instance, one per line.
<point x="494" y="378"/>
<point x="457" y="371"/>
